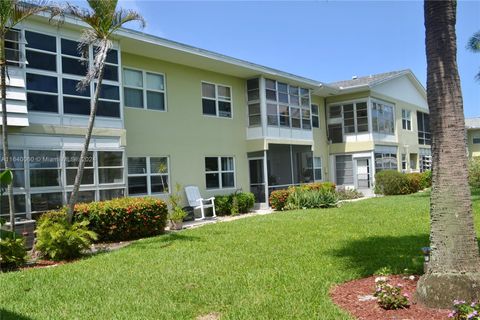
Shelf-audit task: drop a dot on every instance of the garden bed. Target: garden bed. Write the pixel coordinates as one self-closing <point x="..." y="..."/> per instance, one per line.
<point x="354" y="297"/>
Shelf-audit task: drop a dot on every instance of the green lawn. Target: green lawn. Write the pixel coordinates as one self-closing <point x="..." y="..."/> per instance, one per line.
<point x="279" y="266"/>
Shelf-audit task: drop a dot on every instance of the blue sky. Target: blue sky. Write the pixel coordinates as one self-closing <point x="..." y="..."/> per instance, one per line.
<point x="322" y="40"/>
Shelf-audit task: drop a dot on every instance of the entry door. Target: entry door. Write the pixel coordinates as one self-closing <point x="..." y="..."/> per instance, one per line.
<point x="257" y="179"/>
<point x="363" y="173"/>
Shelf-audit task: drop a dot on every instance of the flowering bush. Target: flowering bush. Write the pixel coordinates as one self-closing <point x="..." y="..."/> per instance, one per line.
<point x="124" y="218"/>
<point x="278" y="199"/>
<point x="465" y="311"/>
<point x="390" y="297"/>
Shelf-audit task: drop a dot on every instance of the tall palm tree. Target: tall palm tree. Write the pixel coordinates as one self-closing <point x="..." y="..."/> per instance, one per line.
<point x="13" y="12"/>
<point x="454" y="268"/>
<point x="474" y="45"/>
<point x="104" y="19"/>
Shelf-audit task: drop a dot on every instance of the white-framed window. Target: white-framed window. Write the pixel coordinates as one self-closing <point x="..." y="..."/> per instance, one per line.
<point x="110" y="167"/>
<point x="253" y="98"/>
<point x="353" y="116"/>
<point x="404" y="162"/>
<point x="13" y="47"/>
<point x="383" y="119"/>
<point x="385" y="161"/>
<point x="315" y="116"/>
<point x="148" y="175"/>
<point x="219" y="172"/>
<point x="317" y="168"/>
<point x="423" y="125"/>
<point x="476" y="139"/>
<point x="216" y="100"/>
<point x="406" y="120"/>
<point x="144" y="89"/>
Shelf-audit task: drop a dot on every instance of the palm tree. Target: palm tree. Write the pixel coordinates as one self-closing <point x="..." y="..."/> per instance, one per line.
<point x="454" y="268"/>
<point x="13" y="12"/>
<point x="474" y="45"/>
<point x="104" y="19"/>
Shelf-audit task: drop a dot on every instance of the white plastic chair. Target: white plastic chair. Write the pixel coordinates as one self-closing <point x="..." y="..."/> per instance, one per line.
<point x="196" y="201"/>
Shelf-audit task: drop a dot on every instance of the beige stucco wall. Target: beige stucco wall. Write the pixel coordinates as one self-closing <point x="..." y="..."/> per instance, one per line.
<point x="182" y="132"/>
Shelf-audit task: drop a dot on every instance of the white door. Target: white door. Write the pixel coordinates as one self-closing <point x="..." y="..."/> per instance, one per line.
<point x="363" y="173"/>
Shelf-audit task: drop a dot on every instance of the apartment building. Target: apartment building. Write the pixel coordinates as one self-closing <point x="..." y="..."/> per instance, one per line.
<point x="170" y="113"/>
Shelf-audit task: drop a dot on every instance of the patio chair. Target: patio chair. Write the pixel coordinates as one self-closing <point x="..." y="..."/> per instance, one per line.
<point x="196" y="201"/>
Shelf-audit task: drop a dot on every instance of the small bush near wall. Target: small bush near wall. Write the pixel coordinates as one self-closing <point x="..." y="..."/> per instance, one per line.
<point x="12" y="250"/>
<point x="278" y="199"/>
<point x="474" y="172"/>
<point x="124" y="218"/>
<point x="414" y="182"/>
<point x="241" y="202"/>
<point x="391" y="182"/>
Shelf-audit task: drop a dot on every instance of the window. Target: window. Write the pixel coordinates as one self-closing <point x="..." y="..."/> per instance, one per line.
<point x="425" y="160"/>
<point x="148" y="175"/>
<point x="72" y="159"/>
<point x="382" y="118"/>
<point x="404" y="162"/>
<point x="315" y="116"/>
<point x="385" y="160"/>
<point x="353" y="115"/>
<point x="110" y="194"/>
<point x="335" y="133"/>
<point x="42" y="93"/>
<point x="18" y="167"/>
<point x="19" y="204"/>
<point x="406" y="119"/>
<point x="317" y="168"/>
<point x="219" y="172"/>
<point x="145" y="90"/>
<point x="41" y="51"/>
<point x="423" y="125"/>
<point x="476" y="139"/>
<point x="110" y="167"/>
<point x="344" y="170"/>
<point x="45" y="168"/>
<point x="216" y="100"/>
<point x="253" y="99"/>
<point x="46" y="201"/>
<point x="12" y="47"/>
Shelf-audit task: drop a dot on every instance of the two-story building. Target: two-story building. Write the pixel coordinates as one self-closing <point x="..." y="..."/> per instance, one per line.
<point x="170" y="113"/>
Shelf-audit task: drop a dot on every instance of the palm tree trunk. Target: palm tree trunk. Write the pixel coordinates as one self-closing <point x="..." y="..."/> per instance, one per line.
<point x="88" y="136"/>
<point x="454" y="268"/>
<point x="6" y="154"/>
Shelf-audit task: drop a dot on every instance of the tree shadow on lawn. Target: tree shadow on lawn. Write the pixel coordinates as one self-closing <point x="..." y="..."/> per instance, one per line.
<point x="10" y="315"/>
<point x="368" y="255"/>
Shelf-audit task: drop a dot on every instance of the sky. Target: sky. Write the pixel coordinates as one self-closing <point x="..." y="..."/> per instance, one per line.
<point x="322" y="40"/>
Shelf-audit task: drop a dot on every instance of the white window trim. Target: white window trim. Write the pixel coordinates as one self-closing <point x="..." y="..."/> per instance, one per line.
<point x="407" y="119"/>
<point x="388" y="104"/>
<point x="219" y="172"/>
<point x="315" y="168"/>
<point x="315" y="115"/>
<point x="217" y="99"/>
<point x="144" y="88"/>
<point x="341" y="119"/>
<point x="148" y="175"/>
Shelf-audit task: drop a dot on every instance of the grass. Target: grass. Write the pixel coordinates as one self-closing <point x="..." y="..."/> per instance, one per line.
<point x="279" y="266"/>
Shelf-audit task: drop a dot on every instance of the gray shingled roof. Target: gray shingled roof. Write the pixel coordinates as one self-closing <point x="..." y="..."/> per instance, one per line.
<point x="367" y="80"/>
<point x="472" y="123"/>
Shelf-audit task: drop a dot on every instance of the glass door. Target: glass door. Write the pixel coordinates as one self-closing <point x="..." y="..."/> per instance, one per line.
<point x="363" y="173"/>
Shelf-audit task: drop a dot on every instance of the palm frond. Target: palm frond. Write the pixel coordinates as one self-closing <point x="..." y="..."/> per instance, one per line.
<point x="14" y="12"/>
<point x="474" y="42"/>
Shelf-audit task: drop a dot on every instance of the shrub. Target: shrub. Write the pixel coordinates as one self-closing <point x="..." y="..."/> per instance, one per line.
<point x="474" y="172"/>
<point x="426" y="180"/>
<point x="390" y="297"/>
<point x="329" y="186"/>
<point x="59" y="240"/>
<point x="124" y="218"/>
<point x="391" y="182"/>
<point x="12" y="250"/>
<point x="300" y="198"/>
<point x="463" y="310"/>
<point x="348" y="194"/>
<point x="414" y="182"/>
<point x="278" y="199"/>
<point x="240" y="202"/>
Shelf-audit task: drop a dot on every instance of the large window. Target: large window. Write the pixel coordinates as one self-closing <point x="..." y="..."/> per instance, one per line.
<point x="353" y="116"/>
<point x="216" y="100"/>
<point x="423" y="125"/>
<point x="219" y="172"/>
<point x="110" y="167"/>
<point x="144" y="90"/>
<point x="382" y="118"/>
<point x="406" y="119"/>
<point x="45" y="168"/>
<point x="253" y="98"/>
<point x="72" y="159"/>
<point x="385" y="159"/>
<point x="148" y="175"/>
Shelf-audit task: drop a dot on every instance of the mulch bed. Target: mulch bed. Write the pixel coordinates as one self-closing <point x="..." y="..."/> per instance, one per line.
<point x="348" y="296"/>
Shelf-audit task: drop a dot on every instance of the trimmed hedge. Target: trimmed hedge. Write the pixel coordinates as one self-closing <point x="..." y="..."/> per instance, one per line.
<point x="241" y="202"/>
<point x="124" y="218"/>
<point x="279" y="198"/>
<point x="392" y="182"/>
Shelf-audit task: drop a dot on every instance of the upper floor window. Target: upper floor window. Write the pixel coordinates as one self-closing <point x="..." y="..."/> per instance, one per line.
<point x="148" y="175"/>
<point x="382" y="118"/>
<point x="315" y="116"/>
<point x="12" y="47"/>
<point x="144" y="90"/>
<point x="423" y="124"/>
<point x="406" y="119"/>
<point x="216" y="100"/>
<point x="219" y="172"/>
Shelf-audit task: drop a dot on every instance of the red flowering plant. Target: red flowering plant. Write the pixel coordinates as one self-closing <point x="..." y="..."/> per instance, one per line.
<point x="124" y="218"/>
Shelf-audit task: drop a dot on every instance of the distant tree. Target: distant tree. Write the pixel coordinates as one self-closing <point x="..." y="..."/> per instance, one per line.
<point x="454" y="267"/>
<point x="104" y="19"/>
<point x="12" y="12"/>
<point x="474" y="45"/>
